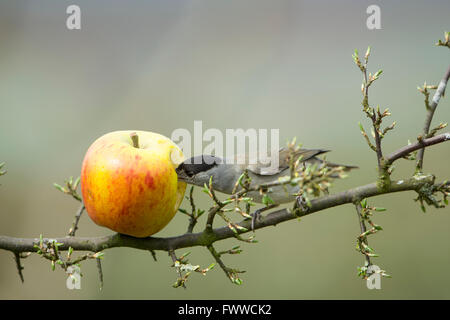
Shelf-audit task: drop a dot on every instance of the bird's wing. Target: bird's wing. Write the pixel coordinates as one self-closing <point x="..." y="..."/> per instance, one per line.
<point x="267" y="169"/>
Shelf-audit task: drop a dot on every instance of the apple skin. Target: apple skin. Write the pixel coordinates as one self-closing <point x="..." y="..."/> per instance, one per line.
<point x="133" y="191"/>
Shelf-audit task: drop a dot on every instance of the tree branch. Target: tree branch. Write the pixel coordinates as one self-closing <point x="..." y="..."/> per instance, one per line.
<point x="231" y="274"/>
<point x="100" y="272"/>
<point x="19" y="265"/>
<point x="362" y="226"/>
<point x="404" y="151"/>
<point x="74" y="227"/>
<point x="193" y="218"/>
<point x="430" y="113"/>
<point x="96" y="244"/>
<point x="180" y="279"/>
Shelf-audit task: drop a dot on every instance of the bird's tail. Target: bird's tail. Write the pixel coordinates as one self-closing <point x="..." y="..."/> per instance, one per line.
<point x="322" y="163"/>
<point x="336" y="165"/>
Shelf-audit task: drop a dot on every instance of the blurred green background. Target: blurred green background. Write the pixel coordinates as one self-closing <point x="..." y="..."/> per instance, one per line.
<point x="160" y="65"/>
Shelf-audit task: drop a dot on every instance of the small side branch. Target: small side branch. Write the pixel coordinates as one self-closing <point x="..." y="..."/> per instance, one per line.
<point x="406" y="150"/>
<point x="376" y="116"/>
<point x="100" y="272"/>
<point x="70" y="188"/>
<point x="431" y="108"/>
<point x="74" y="227"/>
<point x="370" y="112"/>
<point x="215" y="209"/>
<point x="365" y="216"/>
<point x="180" y="280"/>
<point x="185" y="269"/>
<point x="194" y="217"/>
<point x="19" y="265"/>
<point x="153" y="255"/>
<point x="194" y="214"/>
<point x="361" y="240"/>
<point x="231" y="274"/>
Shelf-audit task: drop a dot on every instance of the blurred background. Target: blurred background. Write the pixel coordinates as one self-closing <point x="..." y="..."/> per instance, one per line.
<point x="160" y="65"/>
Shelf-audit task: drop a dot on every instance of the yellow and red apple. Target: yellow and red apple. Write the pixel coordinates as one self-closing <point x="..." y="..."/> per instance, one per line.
<point x="129" y="183"/>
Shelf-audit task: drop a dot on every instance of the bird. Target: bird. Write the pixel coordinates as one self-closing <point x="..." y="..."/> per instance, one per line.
<point x="198" y="170"/>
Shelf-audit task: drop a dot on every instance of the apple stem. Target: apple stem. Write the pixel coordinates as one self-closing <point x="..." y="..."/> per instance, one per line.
<point x="135" y="139"/>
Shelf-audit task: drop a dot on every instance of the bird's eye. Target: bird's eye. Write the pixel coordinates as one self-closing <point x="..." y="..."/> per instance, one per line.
<point x="182" y="168"/>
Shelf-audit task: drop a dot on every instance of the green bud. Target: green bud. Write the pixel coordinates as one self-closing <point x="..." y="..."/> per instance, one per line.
<point x="364" y="203"/>
<point x="75" y="184"/>
<point x="240" y="228"/>
<point x="367" y="53"/>
<point x="211" y="266"/>
<point x="98" y="255"/>
<point x="361" y="127"/>
<point x="378" y="73"/>
<point x="57" y="186"/>
<point x="266" y="200"/>
<point x="200" y="212"/>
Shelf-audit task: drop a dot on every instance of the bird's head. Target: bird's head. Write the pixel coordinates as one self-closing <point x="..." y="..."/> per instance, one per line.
<point x="198" y="170"/>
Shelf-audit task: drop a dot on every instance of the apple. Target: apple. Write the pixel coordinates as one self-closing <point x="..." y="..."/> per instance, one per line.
<point x="129" y="183"/>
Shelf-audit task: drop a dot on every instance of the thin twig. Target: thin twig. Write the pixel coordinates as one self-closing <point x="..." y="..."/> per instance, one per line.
<point x="370" y="112"/>
<point x="219" y="261"/>
<point x="404" y="151"/>
<point x="213" y="210"/>
<point x="19" y="265"/>
<point x="211" y="215"/>
<point x="153" y="255"/>
<point x="230" y="273"/>
<point x="74" y="227"/>
<point x="362" y="226"/>
<point x="378" y="144"/>
<point x="193" y="217"/>
<point x="177" y="267"/>
<point x="430" y="113"/>
<point x="100" y="272"/>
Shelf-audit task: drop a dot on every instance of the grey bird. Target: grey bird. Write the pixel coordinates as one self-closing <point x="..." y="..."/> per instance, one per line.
<point x="198" y="171"/>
